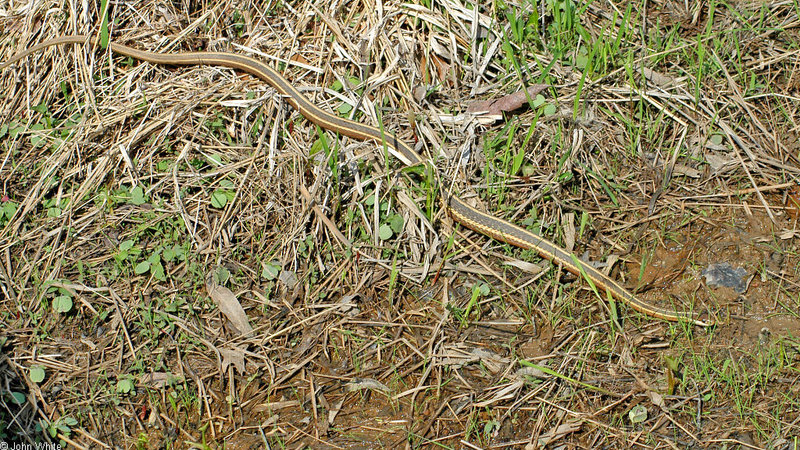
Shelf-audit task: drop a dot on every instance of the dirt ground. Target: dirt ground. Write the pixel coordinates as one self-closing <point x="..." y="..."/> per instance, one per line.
<point x="188" y="262"/>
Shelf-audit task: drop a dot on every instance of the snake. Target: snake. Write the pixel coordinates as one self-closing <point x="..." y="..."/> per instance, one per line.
<point x="467" y="215"/>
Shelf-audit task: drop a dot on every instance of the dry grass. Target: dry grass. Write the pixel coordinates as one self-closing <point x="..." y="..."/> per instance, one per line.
<point x="667" y="141"/>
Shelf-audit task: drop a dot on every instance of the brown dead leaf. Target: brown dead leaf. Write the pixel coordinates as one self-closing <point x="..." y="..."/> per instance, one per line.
<point x="720" y="163"/>
<point x="657" y="399"/>
<point x="158" y="380"/>
<point x="657" y="77"/>
<point x="230" y="307"/>
<point x="298" y="57"/>
<point x="525" y="266"/>
<point x="681" y="169"/>
<point x="569" y="231"/>
<point x="531" y="372"/>
<point x="272" y="406"/>
<point x="365" y="383"/>
<point x="507" y="103"/>
<point x="232" y="356"/>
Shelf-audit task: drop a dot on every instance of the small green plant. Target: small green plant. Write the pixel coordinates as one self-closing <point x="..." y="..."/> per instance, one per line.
<point x="154" y="319"/>
<point x="270" y="270"/>
<point x="224" y="194"/>
<point x="306" y="246"/>
<point x="345" y="108"/>
<point x="17" y="398"/>
<point x="478" y="290"/>
<point x="153" y="265"/>
<point x="62" y="299"/>
<point x="138" y="196"/>
<point x="391" y="224"/>
<point x="63" y="425"/>
<point x="54" y="207"/>
<point x="238" y="22"/>
<point x="126" y="385"/>
<point x="490" y="428"/>
<point x="173" y="252"/>
<point x="222" y="275"/>
<point x="129" y="255"/>
<point x="36" y="373"/>
<point x="7" y="210"/>
<point x="217" y="127"/>
<point x="142" y="442"/>
<point x="127" y="248"/>
<point x="62" y="303"/>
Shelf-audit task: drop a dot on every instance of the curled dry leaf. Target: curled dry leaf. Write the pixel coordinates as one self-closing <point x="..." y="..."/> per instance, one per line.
<point x="230" y="307"/>
<point x="525" y="266"/>
<point x="569" y="231"/>
<point x="507" y="103"/>
<point x="365" y="383"/>
<point x="532" y="372"/>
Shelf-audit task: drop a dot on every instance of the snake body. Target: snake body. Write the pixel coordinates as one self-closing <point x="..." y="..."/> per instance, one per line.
<point x="462" y="212"/>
